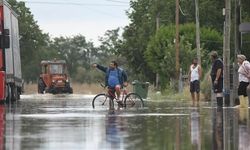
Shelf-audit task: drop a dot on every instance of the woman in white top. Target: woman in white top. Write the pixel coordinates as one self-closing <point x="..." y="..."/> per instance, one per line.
<point x="244" y="76"/>
<point x="194" y="77"/>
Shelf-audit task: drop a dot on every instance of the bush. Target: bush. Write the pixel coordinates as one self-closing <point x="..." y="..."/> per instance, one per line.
<point x="88" y="76"/>
<point x="206" y="85"/>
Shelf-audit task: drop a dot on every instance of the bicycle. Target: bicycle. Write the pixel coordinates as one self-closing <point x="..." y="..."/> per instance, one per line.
<point x="128" y="99"/>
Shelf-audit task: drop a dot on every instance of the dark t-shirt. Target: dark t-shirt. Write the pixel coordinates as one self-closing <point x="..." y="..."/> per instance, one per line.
<point x="218" y="64"/>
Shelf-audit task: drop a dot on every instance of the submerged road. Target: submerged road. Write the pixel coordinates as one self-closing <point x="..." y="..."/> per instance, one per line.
<point x="68" y="122"/>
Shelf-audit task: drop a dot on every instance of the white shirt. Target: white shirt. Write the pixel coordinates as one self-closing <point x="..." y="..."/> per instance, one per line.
<point x="194" y="73"/>
<point x="243" y="71"/>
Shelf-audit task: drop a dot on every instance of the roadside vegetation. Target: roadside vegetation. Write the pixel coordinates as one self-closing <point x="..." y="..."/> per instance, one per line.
<point x="139" y="48"/>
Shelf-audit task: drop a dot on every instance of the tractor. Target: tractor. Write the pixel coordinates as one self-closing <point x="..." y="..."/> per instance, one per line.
<point x="54" y="77"/>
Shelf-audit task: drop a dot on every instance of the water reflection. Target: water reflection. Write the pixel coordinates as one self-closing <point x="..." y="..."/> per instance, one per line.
<point x="244" y="134"/>
<point x="2" y="126"/>
<point x="195" y="129"/>
<point x="115" y="130"/>
<point x="218" y="129"/>
<point x="68" y="124"/>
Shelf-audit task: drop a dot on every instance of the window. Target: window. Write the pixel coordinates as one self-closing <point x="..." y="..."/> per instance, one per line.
<point x="45" y="69"/>
<point x="56" y="69"/>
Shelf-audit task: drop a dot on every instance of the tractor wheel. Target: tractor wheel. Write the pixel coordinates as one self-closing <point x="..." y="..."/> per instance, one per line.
<point x="41" y="86"/>
<point x="14" y="93"/>
<point x="70" y="90"/>
<point x="9" y="95"/>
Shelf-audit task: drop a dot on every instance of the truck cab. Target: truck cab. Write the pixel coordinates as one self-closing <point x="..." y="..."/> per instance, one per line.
<point x="54" y="77"/>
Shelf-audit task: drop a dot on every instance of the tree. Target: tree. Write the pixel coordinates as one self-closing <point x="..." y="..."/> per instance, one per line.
<point x="111" y="42"/>
<point x="76" y="51"/>
<point x="33" y="43"/>
<point x="136" y="36"/>
<point x="160" y="53"/>
<point x="142" y="15"/>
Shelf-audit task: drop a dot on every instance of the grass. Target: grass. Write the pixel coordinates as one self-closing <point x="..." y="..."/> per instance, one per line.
<point x="170" y="94"/>
<point x="77" y="88"/>
<point x="96" y="88"/>
<point x="185" y="95"/>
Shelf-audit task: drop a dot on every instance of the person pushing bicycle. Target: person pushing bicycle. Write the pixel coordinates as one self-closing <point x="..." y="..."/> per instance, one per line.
<point x="115" y="77"/>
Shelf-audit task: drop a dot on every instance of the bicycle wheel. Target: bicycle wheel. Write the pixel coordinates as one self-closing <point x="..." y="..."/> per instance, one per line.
<point x="102" y="101"/>
<point x="133" y="100"/>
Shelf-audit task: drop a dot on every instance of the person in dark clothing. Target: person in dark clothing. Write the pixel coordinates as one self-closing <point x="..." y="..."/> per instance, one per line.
<point x="115" y="77"/>
<point x="217" y="77"/>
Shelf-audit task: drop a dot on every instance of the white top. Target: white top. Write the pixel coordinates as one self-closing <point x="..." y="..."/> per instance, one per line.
<point x="194" y="73"/>
<point x="244" y="71"/>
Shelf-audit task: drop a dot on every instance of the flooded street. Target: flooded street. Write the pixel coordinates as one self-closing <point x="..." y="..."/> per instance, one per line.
<point x="68" y="122"/>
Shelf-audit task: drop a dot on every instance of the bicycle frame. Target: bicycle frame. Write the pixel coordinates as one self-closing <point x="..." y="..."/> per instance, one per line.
<point x="127" y="98"/>
<point x="111" y="93"/>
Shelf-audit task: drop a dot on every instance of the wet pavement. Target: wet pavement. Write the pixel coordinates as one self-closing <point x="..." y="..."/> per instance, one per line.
<point x="68" y="122"/>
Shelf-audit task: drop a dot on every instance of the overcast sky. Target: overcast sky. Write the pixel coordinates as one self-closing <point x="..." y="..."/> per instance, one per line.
<point x="90" y="18"/>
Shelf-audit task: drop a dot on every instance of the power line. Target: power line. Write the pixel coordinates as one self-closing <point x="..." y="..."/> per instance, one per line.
<point x="74" y="3"/>
<point x="87" y="6"/>
<point x="117" y="1"/>
<point x="103" y="13"/>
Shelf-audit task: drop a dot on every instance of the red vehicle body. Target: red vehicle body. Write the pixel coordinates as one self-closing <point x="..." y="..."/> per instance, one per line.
<point x="54" y="77"/>
<point x="10" y="62"/>
<point x="2" y="126"/>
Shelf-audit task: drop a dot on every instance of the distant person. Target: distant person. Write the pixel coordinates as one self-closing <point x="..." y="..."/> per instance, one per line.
<point x="244" y="77"/>
<point x="115" y="77"/>
<point x="194" y="77"/>
<point x="217" y="77"/>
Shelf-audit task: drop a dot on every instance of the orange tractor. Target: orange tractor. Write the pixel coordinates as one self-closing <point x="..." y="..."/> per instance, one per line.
<point x="54" y="77"/>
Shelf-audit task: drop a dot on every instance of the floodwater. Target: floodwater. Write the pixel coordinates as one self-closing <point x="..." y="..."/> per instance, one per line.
<point x="68" y="122"/>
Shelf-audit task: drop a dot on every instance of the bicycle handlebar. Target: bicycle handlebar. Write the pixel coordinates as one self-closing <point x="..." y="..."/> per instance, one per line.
<point x="104" y="86"/>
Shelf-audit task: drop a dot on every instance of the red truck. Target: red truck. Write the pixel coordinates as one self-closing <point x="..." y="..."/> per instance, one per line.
<point x="10" y="61"/>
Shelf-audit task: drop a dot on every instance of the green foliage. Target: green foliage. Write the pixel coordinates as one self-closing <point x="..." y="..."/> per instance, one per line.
<point x="245" y="10"/>
<point x="32" y="41"/>
<point x="137" y="35"/>
<point x="160" y="53"/>
<point x="143" y="14"/>
<point x="75" y="50"/>
<point x="84" y="75"/>
<point x="111" y="42"/>
<point x="246" y="45"/>
<point x="140" y="48"/>
<point x="206" y="85"/>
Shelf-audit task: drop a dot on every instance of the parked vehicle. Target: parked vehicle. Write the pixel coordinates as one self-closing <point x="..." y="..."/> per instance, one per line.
<point x="54" y="77"/>
<point x="10" y="61"/>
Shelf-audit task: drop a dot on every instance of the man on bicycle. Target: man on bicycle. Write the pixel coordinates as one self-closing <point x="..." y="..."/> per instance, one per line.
<point x="115" y="77"/>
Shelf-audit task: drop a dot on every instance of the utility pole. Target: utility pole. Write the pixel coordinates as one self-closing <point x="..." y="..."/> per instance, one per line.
<point x="157" y="28"/>
<point x="237" y="39"/>
<point x="226" y="51"/>
<point x="177" y="47"/>
<point x="197" y="31"/>
<point x="237" y="17"/>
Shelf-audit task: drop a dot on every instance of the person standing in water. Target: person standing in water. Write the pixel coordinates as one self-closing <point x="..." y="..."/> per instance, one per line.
<point x="194" y="77"/>
<point x="217" y="77"/>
